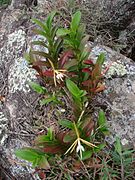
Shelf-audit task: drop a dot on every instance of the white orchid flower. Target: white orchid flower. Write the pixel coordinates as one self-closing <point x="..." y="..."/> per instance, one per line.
<point x="80" y="148"/>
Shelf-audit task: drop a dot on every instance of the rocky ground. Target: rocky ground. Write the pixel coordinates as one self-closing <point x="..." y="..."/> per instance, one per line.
<point x="21" y="117"/>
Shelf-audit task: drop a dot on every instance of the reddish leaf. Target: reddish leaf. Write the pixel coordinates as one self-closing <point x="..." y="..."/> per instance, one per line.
<point x="65" y="57"/>
<point x="48" y="73"/>
<point x="100" y="88"/>
<point x="60" y="136"/>
<point x="96" y="73"/>
<point x="89" y="127"/>
<point x="93" y="90"/>
<point x="38" y="69"/>
<point x="42" y="175"/>
<point x="41" y="63"/>
<point x="86" y="70"/>
<point x="55" y="149"/>
<point x="87" y="83"/>
<point x="88" y="62"/>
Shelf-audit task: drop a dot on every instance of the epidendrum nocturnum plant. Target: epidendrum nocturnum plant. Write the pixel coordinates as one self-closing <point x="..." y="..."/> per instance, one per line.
<point x="65" y="64"/>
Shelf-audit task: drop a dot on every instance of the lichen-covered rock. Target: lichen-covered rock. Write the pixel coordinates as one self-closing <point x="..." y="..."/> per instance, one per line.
<point x="19" y="76"/>
<point x="119" y="96"/>
<point x="3" y="126"/>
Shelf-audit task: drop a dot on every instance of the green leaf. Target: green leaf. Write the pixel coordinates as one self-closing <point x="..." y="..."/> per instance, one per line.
<point x="82" y="93"/>
<point x="66" y="123"/>
<point x="128" y="152"/>
<point x="72" y="87"/>
<point x="42" y="139"/>
<point x="40" y="32"/>
<point x="85" y="54"/>
<point x="29" y="57"/>
<point x="57" y="47"/>
<point x="46" y="101"/>
<point x="118" y="146"/>
<point x="62" y="32"/>
<point x="50" y="133"/>
<point x="28" y="154"/>
<point x="43" y="54"/>
<point x="86" y="155"/>
<point x="39" y="23"/>
<point x="50" y="99"/>
<point x="101" y="59"/>
<point x="99" y="147"/>
<point x="102" y="126"/>
<point x="43" y="163"/>
<point x="75" y="21"/>
<point x="84" y="42"/>
<point x="36" y="87"/>
<point x="53" y="32"/>
<point x="69" y="138"/>
<point x="40" y="43"/>
<point x="45" y="138"/>
<point x="50" y="19"/>
<point x="73" y="68"/>
<point x="80" y="33"/>
<point x="101" y="118"/>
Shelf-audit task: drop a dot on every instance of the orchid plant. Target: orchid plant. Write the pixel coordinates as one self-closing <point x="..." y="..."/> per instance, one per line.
<point x="66" y="65"/>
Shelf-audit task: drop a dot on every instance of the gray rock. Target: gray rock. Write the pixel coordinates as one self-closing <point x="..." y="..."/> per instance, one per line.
<point x="119" y="96"/>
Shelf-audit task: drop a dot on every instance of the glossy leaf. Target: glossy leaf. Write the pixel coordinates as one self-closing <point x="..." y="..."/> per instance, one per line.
<point x="50" y="99"/>
<point x="99" y="147"/>
<point x="43" y="54"/>
<point x="40" y="43"/>
<point x="118" y="146"/>
<point x="62" y="32"/>
<point x="28" y="154"/>
<point x="101" y="59"/>
<point x="57" y="47"/>
<point x="36" y="87"/>
<point x="50" y="19"/>
<point x="69" y="137"/>
<point x="65" y="57"/>
<point x="75" y="21"/>
<point x="47" y="101"/>
<point x="39" y="23"/>
<point x="88" y="62"/>
<point x="40" y="32"/>
<point x="102" y="127"/>
<point x="86" y="155"/>
<point x="101" y="118"/>
<point x="53" y="32"/>
<point x="43" y="163"/>
<point x="66" y="123"/>
<point x="75" y="91"/>
<point x="48" y="73"/>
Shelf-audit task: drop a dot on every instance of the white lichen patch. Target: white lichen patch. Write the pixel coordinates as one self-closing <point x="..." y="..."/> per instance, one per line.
<point x="96" y="51"/>
<point x="116" y="69"/>
<point x="3" y="128"/>
<point x="13" y="47"/>
<point x="17" y="39"/>
<point x="38" y="47"/>
<point x="20" y="75"/>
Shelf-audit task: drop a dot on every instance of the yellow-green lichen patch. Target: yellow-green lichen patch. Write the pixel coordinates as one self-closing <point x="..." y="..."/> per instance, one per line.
<point x="116" y="69"/>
